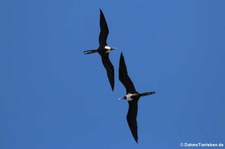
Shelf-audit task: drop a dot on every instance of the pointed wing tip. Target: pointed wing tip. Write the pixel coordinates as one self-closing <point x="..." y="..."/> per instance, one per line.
<point x="112" y="87"/>
<point x="121" y="55"/>
<point x="112" y="82"/>
<point x="121" y="58"/>
<point x="101" y="13"/>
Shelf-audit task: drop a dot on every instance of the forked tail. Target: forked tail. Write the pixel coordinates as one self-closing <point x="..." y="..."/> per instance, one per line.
<point x="90" y="51"/>
<point x="147" y="93"/>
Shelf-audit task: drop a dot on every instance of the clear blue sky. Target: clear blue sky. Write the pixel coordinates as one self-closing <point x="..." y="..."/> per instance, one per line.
<point x="52" y="96"/>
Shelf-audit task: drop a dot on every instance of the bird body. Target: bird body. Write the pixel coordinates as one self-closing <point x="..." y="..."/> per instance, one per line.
<point x="129" y="96"/>
<point x="132" y="97"/>
<point x="104" y="49"/>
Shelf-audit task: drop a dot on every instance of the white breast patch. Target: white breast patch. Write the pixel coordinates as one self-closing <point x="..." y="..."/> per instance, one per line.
<point x="128" y="96"/>
<point x="107" y="48"/>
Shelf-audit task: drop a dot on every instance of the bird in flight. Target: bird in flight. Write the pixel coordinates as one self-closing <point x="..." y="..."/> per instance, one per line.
<point x="132" y="96"/>
<point x="103" y="49"/>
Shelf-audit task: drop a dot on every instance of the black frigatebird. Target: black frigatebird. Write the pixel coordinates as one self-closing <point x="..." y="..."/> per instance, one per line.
<point x="104" y="49"/>
<point x="132" y="97"/>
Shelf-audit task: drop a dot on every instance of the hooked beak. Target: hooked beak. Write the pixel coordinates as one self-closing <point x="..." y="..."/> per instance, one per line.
<point x="114" y="48"/>
<point x="121" y="98"/>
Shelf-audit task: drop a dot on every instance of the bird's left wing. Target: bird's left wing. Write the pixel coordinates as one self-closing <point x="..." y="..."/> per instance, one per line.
<point x="132" y="118"/>
<point x="109" y="68"/>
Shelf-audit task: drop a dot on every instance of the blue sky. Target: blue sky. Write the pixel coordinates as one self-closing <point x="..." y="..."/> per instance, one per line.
<point x="54" y="96"/>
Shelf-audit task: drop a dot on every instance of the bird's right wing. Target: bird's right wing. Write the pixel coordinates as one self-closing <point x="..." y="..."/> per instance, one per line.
<point x="104" y="30"/>
<point x="124" y="77"/>
<point x="132" y="118"/>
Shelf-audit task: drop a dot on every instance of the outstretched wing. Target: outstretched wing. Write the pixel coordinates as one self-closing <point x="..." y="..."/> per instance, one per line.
<point x="132" y="118"/>
<point x="109" y="68"/>
<point x="123" y="76"/>
<point x="104" y="30"/>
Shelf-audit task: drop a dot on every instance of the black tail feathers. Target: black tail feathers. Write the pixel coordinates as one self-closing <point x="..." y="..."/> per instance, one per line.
<point x="147" y="93"/>
<point x="90" y="51"/>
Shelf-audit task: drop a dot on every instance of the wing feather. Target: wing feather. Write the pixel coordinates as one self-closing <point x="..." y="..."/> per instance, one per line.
<point x="104" y="30"/>
<point x="124" y="77"/>
<point x="109" y="68"/>
<point x="132" y="118"/>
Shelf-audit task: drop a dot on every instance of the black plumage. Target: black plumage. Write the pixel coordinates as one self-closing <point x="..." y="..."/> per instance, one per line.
<point x="124" y="77"/>
<point x="104" y="49"/>
<point x="104" y="30"/>
<point x="132" y="97"/>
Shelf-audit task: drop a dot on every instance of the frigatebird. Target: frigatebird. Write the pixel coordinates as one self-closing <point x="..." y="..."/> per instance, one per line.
<point x="104" y="49"/>
<point x="132" y="97"/>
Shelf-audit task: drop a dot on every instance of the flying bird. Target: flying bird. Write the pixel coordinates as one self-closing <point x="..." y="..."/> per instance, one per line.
<point x="104" y="49"/>
<point x="132" y="96"/>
